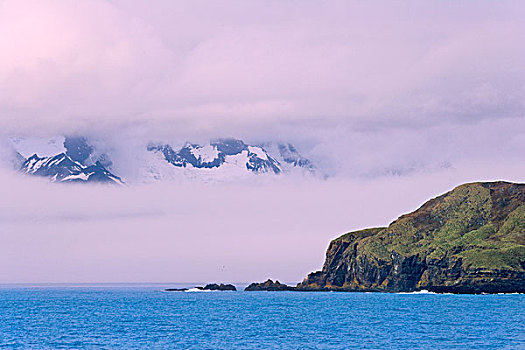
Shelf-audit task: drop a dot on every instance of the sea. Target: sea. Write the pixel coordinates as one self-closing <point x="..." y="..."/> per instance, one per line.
<point x="146" y="317"/>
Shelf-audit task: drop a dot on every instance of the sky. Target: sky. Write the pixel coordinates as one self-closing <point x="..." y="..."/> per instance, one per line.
<point x="397" y="102"/>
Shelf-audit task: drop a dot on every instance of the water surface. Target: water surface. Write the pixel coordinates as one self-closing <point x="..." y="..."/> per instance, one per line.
<point x="136" y="317"/>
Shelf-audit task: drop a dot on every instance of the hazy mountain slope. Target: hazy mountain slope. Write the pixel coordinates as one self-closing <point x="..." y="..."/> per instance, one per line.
<point x="61" y="168"/>
<point x="221" y="160"/>
<point x="77" y="164"/>
<point x="64" y="159"/>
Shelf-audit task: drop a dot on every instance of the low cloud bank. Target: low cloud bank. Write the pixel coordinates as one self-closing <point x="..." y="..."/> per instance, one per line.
<point x="197" y="232"/>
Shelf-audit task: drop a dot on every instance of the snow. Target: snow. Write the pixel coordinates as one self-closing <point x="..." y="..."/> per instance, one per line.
<point x="116" y="180"/>
<point x="259" y="152"/>
<point x="234" y="168"/>
<point x="206" y="154"/>
<point x="197" y="290"/>
<point x="34" y="165"/>
<point x="238" y="159"/>
<point x="81" y="176"/>
<point x="156" y="168"/>
<point x="56" y="161"/>
<point x="151" y="166"/>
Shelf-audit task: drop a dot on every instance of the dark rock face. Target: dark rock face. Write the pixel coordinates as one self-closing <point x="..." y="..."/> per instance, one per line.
<point x="185" y="156"/>
<point x="77" y="148"/>
<point x="223" y="287"/>
<point x="229" y="147"/>
<point x="269" y="286"/>
<point x="175" y="289"/>
<point x="258" y="165"/>
<point x="80" y="150"/>
<point x="98" y="173"/>
<point x="291" y="156"/>
<point x="61" y="168"/>
<point x="469" y="240"/>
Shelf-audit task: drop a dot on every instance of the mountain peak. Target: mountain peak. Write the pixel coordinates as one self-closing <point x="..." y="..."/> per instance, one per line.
<point x="77" y="148"/>
<point x="220" y="153"/>
<point x="70" y="166"/>
<point x="291" y="156"/>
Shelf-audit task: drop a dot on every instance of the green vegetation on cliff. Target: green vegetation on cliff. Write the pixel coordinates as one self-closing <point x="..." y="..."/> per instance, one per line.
<point x="460" y="223"/>
<point x="468" y="240"/>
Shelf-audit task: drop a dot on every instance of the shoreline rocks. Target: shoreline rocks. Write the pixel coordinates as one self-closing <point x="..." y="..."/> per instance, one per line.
<point x="221" y="287"/>
<point x="269" y="286"/>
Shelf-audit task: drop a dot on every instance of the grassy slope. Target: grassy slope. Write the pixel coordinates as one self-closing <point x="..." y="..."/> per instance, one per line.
<point x="458" y="224"/>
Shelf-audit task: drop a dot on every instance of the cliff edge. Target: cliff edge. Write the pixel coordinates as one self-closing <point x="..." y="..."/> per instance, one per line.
<point x="469" y="240"/>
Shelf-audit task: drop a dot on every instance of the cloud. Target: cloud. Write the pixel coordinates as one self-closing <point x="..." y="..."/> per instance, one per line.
<point x="197" y="232"/>
<point x="67" y="64"/>
<point x="204" y="66"/>
<point x="387" y="83"/>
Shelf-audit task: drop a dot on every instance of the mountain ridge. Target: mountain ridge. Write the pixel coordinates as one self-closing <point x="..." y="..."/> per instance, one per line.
<point x="62" y="168"/>
<point x="219" y="152"/>
<point x="225" y="159"/>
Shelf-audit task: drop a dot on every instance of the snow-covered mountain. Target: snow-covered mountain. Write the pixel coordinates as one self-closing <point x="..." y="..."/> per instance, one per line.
<point x="290" y="158"/>
<point x="76" y="164"/>
<point x="76" y="159"/>
<point x="224" y="159"/>
<point x="62" y="168"/>
<point x="219" y="153"/>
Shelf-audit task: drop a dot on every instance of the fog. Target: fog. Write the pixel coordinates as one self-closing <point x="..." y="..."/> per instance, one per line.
<point x="394" y="103"/>
<point x="196" y="232"/>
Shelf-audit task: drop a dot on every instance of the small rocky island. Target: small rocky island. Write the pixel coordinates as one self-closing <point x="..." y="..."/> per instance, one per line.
<point x="211" y="286"/>
<point x="469" y="240"/>
<point x="269" y="286"/>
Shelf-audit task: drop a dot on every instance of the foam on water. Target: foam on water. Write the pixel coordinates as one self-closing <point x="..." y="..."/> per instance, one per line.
<point x="197" y="290"/>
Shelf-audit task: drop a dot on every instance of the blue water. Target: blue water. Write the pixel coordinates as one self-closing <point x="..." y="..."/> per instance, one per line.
<point x="144" y="317"/>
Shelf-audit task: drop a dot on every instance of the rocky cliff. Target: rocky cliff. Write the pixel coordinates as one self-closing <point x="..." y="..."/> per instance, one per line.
<point x="469" y="240"/>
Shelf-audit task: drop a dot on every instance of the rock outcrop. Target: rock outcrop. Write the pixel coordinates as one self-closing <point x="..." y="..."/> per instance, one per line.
<point x="269" y="286"/>
<point x="469" y="240"/>
<point x="223" y="287"/>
